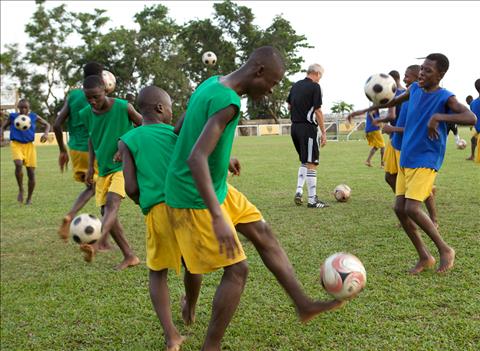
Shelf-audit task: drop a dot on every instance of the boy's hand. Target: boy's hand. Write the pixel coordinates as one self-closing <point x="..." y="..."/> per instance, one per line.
<point x="225" y="237"/>
<point x="117" y="157"/>
<point x="432" y="128"/>
<point x="234" y="166"/>
<point x="63" y="160"/>
<point x="387" y="128"/>
<point x="44" y="137"/>
<point x="89" y="176"/>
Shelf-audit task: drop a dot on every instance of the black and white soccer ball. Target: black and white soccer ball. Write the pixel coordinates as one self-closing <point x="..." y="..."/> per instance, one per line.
<point x="86" y="229"/>
<point x="380" y="88"/>
<point x="22" y="122"/>
<point x="209" y="58"/>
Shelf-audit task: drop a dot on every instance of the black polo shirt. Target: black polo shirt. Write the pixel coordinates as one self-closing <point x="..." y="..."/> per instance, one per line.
<point x="304" y="98"/>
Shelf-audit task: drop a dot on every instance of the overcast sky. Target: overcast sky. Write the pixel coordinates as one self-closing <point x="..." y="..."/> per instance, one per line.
<point x="351" y="39"/>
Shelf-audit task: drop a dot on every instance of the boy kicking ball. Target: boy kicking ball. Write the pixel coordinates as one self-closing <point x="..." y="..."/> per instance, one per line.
<point x="423" y="149"/>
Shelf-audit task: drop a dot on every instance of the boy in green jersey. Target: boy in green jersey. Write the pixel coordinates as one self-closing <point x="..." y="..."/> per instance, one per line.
<point x="107" y="119"/>
<point x="146" y="153"/>
<point x="77" y="144"/>
<point x="205" y="212"/>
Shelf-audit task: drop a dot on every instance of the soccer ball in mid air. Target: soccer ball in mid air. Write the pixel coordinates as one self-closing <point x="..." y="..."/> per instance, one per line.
<point x="380" y="88"/>
<point x="209" y="58"/>
<point x="109" y="80"/>
<point x="342" y="192"/>
<point x="343" y="276"/>
<point x="22" y="122"/>
<point x="86" y="229"/>
<point x="461" y="144"/>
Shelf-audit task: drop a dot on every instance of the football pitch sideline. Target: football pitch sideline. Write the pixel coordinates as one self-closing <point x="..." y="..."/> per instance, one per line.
<point x="52" y="300"/>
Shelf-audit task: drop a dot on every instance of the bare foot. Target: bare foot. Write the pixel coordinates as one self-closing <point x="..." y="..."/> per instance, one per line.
<point x="382" y="165"/>
<point x="422" y="264"/>
<point x="88" y="252"/>
<point x="469" y="158"/>
<point x="20" y="196"/>
<point x="318" y="307"/>
<point x="187" y="315"/>
<point x="104" y="247"/>
<point x="175" y="345"/>
<point x="368" y="164"/>
<point x="127" y="262"/>
<point x="65" y="228"/>
<point x="446" y="261"/>
<point x="28" y="202"/>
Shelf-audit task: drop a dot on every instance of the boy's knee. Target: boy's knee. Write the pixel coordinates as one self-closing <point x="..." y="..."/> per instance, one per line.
<point x="411" y="209"/>
<point x="239" y="271"/>
<point x="399" y="209"/>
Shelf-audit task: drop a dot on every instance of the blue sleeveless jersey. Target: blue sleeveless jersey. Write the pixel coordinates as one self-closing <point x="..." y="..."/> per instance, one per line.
<point x="23" y="136"/>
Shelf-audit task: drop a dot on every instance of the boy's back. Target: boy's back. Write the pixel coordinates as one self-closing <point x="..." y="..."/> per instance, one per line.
<point x="209" y="98"/>
<point x="151" y="147"/>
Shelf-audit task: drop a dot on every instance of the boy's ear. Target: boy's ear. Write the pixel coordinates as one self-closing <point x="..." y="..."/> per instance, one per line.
<point x="260" y="71"/>
<point x="159" y="108"/>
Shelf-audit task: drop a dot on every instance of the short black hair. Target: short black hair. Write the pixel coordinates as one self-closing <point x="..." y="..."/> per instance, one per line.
<point x="477" y="86"/>
<point x="92" y="82"/>
<point x="440" y="60"/>
<point x="394" y="74"/>
<point x="92" y="69"/>
<point x="23" y="100"/>
<point x="414" y="68"/>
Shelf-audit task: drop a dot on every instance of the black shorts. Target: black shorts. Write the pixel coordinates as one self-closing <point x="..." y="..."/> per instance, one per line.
<point x="452" y="127"/>
<point x="305" y="139"/>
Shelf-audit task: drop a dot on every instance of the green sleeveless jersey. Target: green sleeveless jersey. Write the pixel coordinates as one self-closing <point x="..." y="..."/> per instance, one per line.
<point x="209" y="98"/>
<point x="77" y="132"/>
<point x="104" y="131"/>
<point x="151" y="147"/>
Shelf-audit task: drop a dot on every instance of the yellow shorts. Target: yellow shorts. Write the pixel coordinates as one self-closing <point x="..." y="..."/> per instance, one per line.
<point x="27" y="153"/>
<point x="162" y="247"/>
<point x="390" y="159"/>
<point x="375" y="139"/>
<point x="475" y="133"/>
<point x="415" y="183"/>
<point x="80" y="165"/>
<point x="111" y="183"/>
<point x="195" y="236"/>
<point x="477" y="159"/>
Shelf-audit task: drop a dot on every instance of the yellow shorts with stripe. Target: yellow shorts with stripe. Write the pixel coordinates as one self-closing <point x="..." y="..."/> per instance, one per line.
<point x="80" y="165"/>
<point x="390" y="159"/>
<point x="163" y="251"/>
<point x="196" y="239"/>
<point x="415" y="183"/>
<point x="375" y="139"/>
<point x="111" y="183"/>
<point x="27" y="153"/>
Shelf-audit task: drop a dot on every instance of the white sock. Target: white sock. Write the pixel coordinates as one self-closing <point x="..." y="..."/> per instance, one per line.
<point x="311" y="185"/>
<point x="302" y="175"/>
<point x="457" y="138"/>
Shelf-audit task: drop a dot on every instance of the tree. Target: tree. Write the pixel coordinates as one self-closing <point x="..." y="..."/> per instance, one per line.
<point x="341" y="107"/>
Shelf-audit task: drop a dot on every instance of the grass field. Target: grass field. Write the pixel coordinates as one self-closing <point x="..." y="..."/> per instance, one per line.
<point x="52" y="300"/>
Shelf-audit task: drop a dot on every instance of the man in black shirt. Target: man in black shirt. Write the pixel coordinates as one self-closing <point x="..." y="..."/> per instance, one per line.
<point x="305" y="102"/>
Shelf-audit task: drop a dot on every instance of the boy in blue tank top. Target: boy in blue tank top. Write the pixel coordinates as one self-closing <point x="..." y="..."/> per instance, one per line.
<point x="423" y="150"/>
<point x="23" y="149"/>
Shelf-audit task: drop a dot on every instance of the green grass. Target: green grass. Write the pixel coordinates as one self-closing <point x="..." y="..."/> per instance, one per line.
<point x="52" y="300"/>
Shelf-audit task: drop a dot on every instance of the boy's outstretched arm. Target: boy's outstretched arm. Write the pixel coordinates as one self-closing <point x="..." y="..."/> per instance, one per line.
<point x="4" y="125"/>
<point x="44" y="137"/>
<point x="129" y="172"/>
<point x="198" y="163"/>
<point x="57" y="128"/>
<point x="134" y="116"/>
<point x="396" y="101"/>
<point x="462" y="115"/>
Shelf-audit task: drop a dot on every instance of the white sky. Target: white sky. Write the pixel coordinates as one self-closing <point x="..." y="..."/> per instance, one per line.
<point x="351" y="39"/>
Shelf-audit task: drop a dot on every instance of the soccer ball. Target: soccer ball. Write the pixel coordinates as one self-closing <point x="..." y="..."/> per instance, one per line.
<point x="86" y="229"/>
<point x="462" y="144"/>
<point x="380" y="88"/>
<point x="22" y="122"/>
<point x="343" y="276"/>
<point x="342" y="192"/>
<point x="209" y="58"/>
<point x="109" y="80"/>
